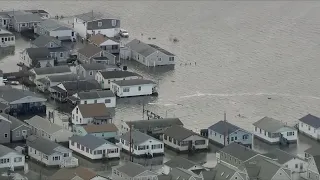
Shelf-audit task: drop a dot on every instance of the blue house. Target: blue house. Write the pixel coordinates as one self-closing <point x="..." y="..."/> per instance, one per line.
<point x="223" y="133"/>
<point x="105" y="131"/>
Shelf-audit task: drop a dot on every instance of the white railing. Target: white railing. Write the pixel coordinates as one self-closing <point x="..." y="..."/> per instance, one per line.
<point x="69" y="162"/>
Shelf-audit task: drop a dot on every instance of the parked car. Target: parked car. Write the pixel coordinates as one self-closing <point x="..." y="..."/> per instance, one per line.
<point x="124" y="33"/>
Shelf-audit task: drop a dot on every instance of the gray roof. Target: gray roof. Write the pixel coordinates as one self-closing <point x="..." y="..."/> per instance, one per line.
<point x="269" y="124"/>
<point x="154" y="123"/>
<point x="182" y="174"/>
<point x="223" y="172"/>
<point x="311" y="120"/>
<point x="63" y="78"/>
<point x="133" y="82"/>
<point x="52" y="70"/>
<point x="27" y="17"/>
<point x="317" y="161"/>
<point x="209" y="175"/>
<point x="42" y="41"/>
<point x="82" y="85"/>
<point x="3" y="106"/>
<point x="91" y="16"/>
<point x="89" y="141"/>
<point x="280" y="156"/>
<point x="164" y="177"/>
<point x="15" y="123"/>
<point x="180" y="162"/>
<point x="94" y="66"/>
<point x="44" y="124"/>
<point x="137" y="137"/>
<point x="45" y="146"/>
<point x="118" y="74"/>
<point x="179" y="133"/>
<point x="131" y="169"/>
<point x="95" y="94"/>
<point x="89" y="50"/>
<point x="4" y="150"/>
<point x="239" y="151"/>
<point x="223" y="127"/>
<point x="51" y="25"/>
<point x="40" y="53"/>
<point x="313" y="151"/>
<point x="9" y="94"/>
<point x="5" y="32"/>
<point x="145" y="49"/>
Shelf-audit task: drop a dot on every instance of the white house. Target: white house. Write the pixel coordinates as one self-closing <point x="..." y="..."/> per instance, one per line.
<point x="44" y="128"/>
<point x="297" y="165"/>
<point x="147" y="54"/>
<point x="108" y="44"/>
<point x="310" y="126"/>
<point x="106" y="77"/>
<point x="89" y="71"/>
<point x="273" y="131"/>
<point x="182" y="139"/>
<point x="133" y="87"/>
<point x="55" y="29"/>
<point x="106" y="96"/>
<point x="50" y="153"/>
<point x="92" y="23"/>
<point x="7" y="38"/>
<point x="130" y="170"/>
<point x="37" y="57"/>
<point x="38" y="73"/>
<point x="1" y="78"/>
<point x="94" y="147"/>
<point x="313" y="157"/>
<point x="142" y="144"/>
<point x="10" y="158"/>
<point x="224" y="133"/>
<point x="180" y="162"/>
<point x="96" y="113"/>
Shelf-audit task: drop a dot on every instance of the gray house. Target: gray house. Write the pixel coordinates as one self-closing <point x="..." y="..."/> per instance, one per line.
<point x="91" y="23"/>
<point x="93" y="54"/>
<point x="37" y="57"/>
<point x="224" y="133"/>
<point x="147" y="54"/>
<point x="183" y="174"/>
<point x="89" y="71"/>
<point x="55" y="29"/>
<point x="22" y="20"/>
<point x="57" y="51"/>
<point x="18" y="129"/>
<point x="313" y="157"/>
<point x="180" y="162"/>
<point x="5" y="126"/>
<point x="108" y="44"/>
<point x="133" y="171"/>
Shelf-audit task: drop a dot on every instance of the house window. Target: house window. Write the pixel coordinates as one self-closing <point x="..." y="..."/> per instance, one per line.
<point x="18" y="134"/>
<point x="200" y="142"/>
<point x="309" y="128"/>
<point x="260" y="131"/>
<point x="72" y="143"/>
<point x="12" y="38"/>
<point x="91" y="73"/>
<point x="108" y="81"/>
<point x="51" y="44"/>
<point x="165" y="137"/>
<point x="82" y="148"/>
<point x="255" y="128"/>
<point x="61" y="54"/>
<point x="296" y="166"/>
<point x="77" y="110"/>
<point x="18" y="159"/>
<point x="139" y="88"/>
<point x="159" y="59"/>
<point x="5" y="135"/>
<point x="265" y="133"/>
<point x="289" y="133"/>
<point x="126" y="89"/>
<point x="235" y="138"/>
<point x="171" y="58"/>
<point x="95" y="101"/>
<point x="114" y="47"/>
<point x="85" y="102"/>
<point x="23" y="25"/>
<point x="232" y="138"/>
<point x="245" y="136"/>
<point x="114" y="22"/>
<point x="107" y="101"/>
<point x="99" y="24"/>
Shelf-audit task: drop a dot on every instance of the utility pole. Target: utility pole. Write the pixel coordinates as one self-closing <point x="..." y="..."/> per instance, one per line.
<point x="130" y="153"/>
<point x="143" y="110"/>
<point x="226" y="128"/>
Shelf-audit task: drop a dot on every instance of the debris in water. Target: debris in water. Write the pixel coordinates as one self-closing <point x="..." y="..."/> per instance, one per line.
<point x="175" y="39"/>
<point x="269" y="97"/>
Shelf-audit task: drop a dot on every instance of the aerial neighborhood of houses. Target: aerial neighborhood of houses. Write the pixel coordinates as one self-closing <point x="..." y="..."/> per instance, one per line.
<point x="79" y="65"/>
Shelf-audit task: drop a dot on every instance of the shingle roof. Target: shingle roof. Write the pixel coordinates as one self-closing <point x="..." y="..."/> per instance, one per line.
<point x="118" y="74"/>
<point x="81" y="85"/>
<point x="311" y="120"/>
<point x="3" y="106"/>
<point x="91" y="16"/>
<point x="155" y="123"/>
<point x="223" y="127"/>
<point x="64" y="78"/>
<point x="89" y="141"/>
<point x="94" y="66"/>
<point x="209" y="175"/>
<point x="98" y="39"/>
<point x="145" y="49"/>
<point x="92" y="128"/>
<point x="280" y="156"/>
<point x="40" y="53"/>
<point x="52" y="70"/>
<point x="4" y="150"/>
<point x="179" y="133"/>
<point x="180" y="162"/>
<point x="27" y="17"/>
<point x="239" y="151"/>
<point x="42" y="41"/>
<point x="89" y="50"/>
<point x="317" y="161"/>
<point x="182" y="174"/>
<point x="70" y="173"/>
<point x="95" y="94"/>
<point x="269" y="124"/>
<point x="9" y="94"/>
<point x="137" y="137"/>
<point x="44" y="124"/>
<point x="51" y="25"/>
<point x="131" y="169"/>
<point x="43" y="145"/>
<point x="314" y="150"/>
<point x="223" y="172"/>
<point x="133" y="82"/>
<point x="94" y="110"/>
<point x="15" y="123"/>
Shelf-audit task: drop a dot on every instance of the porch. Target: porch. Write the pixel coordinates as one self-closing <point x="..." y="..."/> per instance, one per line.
<point x="102" y="120"/>
<point x="58" y="94"/>
<point x="69" y="162"/>
<point x="27" y="108"/>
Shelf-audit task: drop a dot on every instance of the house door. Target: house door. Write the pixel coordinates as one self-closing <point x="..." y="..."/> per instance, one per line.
<point x="4" y="22"/>
<point x="190" y="144"/>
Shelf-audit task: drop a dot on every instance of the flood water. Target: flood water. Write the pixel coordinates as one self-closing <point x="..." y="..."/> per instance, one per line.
<point x="253" y="58"/>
